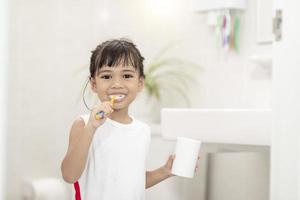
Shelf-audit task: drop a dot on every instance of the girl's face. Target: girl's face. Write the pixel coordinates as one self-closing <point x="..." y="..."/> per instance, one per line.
<point x="121" y="81"/>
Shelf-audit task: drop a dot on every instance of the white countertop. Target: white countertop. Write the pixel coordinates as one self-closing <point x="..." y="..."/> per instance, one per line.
<point x="231" y="126"/>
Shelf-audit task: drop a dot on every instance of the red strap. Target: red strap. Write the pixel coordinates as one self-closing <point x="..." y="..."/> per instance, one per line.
<point x="77" y="191"/>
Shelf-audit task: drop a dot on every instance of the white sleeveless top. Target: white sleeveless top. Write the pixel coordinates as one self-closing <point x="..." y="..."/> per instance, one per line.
<point x="116" y="164"/>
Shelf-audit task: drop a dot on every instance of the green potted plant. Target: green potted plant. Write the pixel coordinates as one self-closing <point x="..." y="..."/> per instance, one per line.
<point x="169" y="75"/>
<point x="167" y="82"/>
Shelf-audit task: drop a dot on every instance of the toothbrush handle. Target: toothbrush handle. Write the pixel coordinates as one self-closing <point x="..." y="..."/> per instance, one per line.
<point x="99" y="115"/>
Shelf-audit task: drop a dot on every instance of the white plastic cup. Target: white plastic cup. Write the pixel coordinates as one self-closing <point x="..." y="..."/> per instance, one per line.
<point x="186" y="157"/>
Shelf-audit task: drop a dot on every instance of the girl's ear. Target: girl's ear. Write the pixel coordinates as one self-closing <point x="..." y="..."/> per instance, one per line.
<point x="93" y="84"/>
<point x="141" y="83"/>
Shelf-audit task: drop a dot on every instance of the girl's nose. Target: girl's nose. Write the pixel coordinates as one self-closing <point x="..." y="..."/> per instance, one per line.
<point x="117" y="84"/>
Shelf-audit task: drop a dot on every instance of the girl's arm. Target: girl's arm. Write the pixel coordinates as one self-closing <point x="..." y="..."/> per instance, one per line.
<point x="79" y="142"/>
<point x="160" y="174"/>
<point x="81" y="136"/>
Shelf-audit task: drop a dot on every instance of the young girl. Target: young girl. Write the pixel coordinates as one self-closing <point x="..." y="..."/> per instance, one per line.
<point x="107" y="149"/>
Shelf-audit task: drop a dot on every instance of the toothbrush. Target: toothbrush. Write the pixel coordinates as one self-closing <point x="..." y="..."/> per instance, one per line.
<point x="100" y="115"/>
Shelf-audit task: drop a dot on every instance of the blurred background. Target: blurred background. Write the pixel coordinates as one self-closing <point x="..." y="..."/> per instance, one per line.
<point x="221" y="54"/>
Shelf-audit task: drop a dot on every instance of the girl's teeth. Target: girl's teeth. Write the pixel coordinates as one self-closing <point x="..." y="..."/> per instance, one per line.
<point x="117" y="97"/>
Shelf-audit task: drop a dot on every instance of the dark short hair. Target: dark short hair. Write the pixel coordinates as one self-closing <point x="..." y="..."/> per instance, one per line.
<point x="113" y="52"/>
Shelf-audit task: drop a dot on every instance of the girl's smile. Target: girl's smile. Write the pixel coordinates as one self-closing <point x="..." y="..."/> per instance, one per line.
<point x="118" y="97"/>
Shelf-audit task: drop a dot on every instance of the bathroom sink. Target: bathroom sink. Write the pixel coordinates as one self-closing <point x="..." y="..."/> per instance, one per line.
<point x="231" y="126"/>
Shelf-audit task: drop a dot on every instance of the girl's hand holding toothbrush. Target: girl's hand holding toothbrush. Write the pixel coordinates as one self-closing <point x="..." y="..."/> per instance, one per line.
<point x="99" y="114"/>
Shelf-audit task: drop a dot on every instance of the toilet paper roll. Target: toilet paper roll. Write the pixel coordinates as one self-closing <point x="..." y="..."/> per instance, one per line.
<point x="44" y="189"/>
<point x="187" y="151"/>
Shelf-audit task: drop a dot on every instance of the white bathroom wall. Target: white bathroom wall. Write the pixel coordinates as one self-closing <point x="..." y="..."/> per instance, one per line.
<point x="285" y="154"/>
<point x="3" y="90"/>
<point x="50" y="44"/>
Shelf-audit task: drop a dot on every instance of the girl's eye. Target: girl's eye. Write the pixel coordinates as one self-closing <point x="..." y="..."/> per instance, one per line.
<point x="127" y="76"/>
<point x="105" y="77"/>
